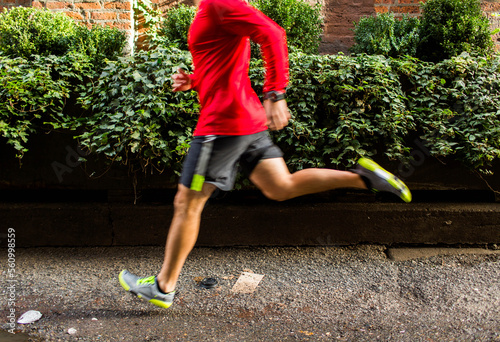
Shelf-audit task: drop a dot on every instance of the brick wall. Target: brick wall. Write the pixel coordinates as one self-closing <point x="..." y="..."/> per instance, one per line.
<point x="116" y="13"/>
<point x="410" y="7"/>
<point x="339" y="15"/>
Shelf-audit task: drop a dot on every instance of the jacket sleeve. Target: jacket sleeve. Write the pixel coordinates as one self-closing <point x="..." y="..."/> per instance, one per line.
<point x="193" y="81"/>
<point x="239" y="18"/>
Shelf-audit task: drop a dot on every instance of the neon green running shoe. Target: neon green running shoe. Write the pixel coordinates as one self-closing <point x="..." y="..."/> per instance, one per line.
<point x="146" y="288"/>
<point x="378" y="179"/>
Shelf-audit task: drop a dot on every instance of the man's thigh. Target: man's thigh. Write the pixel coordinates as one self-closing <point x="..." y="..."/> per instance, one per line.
<point x="270" y="175"/>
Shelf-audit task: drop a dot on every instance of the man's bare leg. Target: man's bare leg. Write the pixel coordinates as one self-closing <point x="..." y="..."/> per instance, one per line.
<point x="183" y="233"/>
<point x="272" y="177"/>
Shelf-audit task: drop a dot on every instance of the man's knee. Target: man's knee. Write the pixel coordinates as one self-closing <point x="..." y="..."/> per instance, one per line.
<point x="181" y="200"/>
<point x="272" y="177"/>
<point x="187" y="200"/>
<point x="276" y="196"/>
<point x="278" y="192"/>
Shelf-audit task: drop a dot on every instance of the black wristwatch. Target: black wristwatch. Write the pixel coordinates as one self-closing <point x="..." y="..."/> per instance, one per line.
<point x="274" y="96"/>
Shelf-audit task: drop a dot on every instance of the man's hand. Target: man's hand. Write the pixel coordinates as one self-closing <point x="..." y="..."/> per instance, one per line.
<point x="182" y="81"/>
<point x="277" y="114"/>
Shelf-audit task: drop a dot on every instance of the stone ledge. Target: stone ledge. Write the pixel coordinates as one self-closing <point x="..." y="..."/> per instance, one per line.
<point x="268" y="224"/>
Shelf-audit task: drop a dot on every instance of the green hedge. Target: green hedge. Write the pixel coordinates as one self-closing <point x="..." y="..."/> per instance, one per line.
<point x="347" y="107"/>
<point x="173" y="29"/>
<point x="446" y="29"/>
<point x="450" y="27"/>
<point x="34" y="94"/>
<point x="136" y="118"/>
<point x="27" y="31"/>
<point x="343" y="108"/>
<point x="385" y="34"/>
<point x="46" y="59"/>
<point x="457" y="104"/>
<point x="302" y="21"/>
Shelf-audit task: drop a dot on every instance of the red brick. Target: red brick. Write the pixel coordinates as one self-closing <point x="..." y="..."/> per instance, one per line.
<point x="409" y="2"/>
<point x="58" y="5"/>
<point x="103" y="16"/>
<point x="121" y="26"/>
<point x="124" y="16"/>
<point x="340" y="30"/>
<point x="141" y="38"/>
<point x="405" y="9"/>
<point x="74" y="15"/>
<point x="381" y="9"/>
<point x="36" y="4"/>
<point x="88" y="5"/>
<point x="117" y="5"/>
<point x="140" y="19"/>
<point x="378" y="2"/>
<point x="491" y="7"/>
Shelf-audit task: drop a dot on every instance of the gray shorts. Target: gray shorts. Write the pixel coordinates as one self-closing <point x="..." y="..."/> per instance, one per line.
<point x="215" y="159"/>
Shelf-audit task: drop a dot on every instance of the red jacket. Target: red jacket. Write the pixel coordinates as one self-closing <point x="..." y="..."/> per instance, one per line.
<point x="219" y="43"/>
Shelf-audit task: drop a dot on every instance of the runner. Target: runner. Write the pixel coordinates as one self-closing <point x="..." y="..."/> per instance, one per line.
<point x="232" y="130"/>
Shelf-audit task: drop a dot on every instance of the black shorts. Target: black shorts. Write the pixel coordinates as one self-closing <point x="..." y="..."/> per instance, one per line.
<point x="215" y="159"/>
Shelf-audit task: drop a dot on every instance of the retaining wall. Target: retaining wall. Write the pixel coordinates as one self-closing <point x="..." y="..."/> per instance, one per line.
<point x="53" y="201"/>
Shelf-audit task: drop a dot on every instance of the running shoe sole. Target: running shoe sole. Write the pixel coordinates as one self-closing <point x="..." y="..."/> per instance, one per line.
<point x="399" y="187"/>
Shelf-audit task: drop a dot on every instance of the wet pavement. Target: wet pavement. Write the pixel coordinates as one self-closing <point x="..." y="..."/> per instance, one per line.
<point x="356" y="293"/>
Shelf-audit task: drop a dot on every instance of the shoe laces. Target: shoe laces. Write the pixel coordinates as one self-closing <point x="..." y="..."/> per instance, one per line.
<point x="147" y="280"/>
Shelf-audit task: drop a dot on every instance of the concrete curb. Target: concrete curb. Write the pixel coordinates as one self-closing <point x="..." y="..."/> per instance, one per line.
<point x="267" y="224"/>
<point x="404" y="254"/>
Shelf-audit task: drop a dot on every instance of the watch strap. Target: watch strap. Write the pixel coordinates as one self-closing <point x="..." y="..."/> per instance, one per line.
<point x="274" y="96"/>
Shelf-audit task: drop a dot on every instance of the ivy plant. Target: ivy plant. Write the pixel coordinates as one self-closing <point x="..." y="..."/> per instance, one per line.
<point x="343" y="107"/>
<point x="457" y="106"/>
<point x="34" y="94"/>
<point x="136" y="119"/>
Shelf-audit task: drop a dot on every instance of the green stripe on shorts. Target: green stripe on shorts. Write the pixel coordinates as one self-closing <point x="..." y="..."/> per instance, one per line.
<point x="197" y="182"/>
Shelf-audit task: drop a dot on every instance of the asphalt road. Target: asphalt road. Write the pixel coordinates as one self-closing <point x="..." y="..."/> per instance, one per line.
<point x="306" y="294"/>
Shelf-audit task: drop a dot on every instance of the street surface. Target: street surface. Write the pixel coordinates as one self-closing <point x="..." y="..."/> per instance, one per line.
<point x="353" y="293"/>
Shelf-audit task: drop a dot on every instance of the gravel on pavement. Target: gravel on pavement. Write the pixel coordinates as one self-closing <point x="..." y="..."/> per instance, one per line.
<point x="354" y="293"/>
